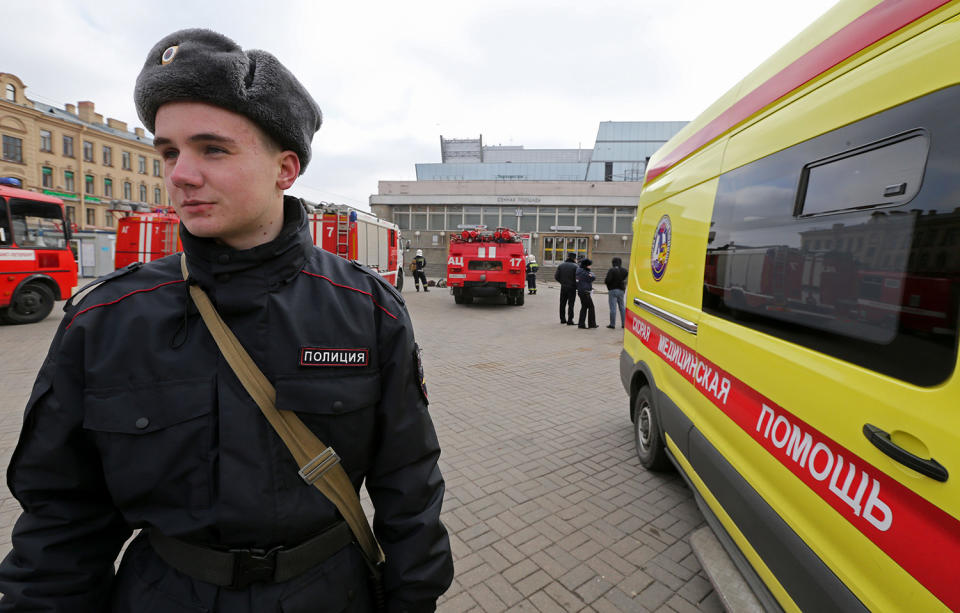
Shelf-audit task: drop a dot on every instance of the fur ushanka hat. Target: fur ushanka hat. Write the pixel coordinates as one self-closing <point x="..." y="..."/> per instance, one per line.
<point x="205" y="66"/>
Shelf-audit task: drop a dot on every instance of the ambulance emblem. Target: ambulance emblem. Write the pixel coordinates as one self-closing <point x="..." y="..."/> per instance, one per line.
<point x="660" y="250"/>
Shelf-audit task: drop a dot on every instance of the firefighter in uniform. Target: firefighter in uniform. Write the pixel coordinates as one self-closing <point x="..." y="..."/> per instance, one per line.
<point x="419" y="274"/>
<point x="136" y="421"/>
<point x="532" y="274"/>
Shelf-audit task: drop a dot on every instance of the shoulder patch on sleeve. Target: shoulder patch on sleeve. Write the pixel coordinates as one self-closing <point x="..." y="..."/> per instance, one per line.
<point x="380" y="279"/>
<point x="82" y="293"/>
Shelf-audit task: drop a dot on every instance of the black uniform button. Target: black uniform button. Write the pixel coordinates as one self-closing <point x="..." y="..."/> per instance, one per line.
<point x="142" y="423"/>
<point x="223" y="258"/>
<point x="223" y="277"/>
<point x="337" y="405"/>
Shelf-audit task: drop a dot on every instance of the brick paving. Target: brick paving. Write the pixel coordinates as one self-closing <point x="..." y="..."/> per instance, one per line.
<point x="547" y="506"/>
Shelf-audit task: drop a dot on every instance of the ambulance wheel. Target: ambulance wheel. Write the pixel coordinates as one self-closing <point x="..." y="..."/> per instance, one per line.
<point x="518" y="299"/>
<point x="32" y="303"/>
<point x="651" y="450"/>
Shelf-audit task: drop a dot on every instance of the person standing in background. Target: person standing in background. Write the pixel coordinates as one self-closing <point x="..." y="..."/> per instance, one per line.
<point x="566" y="276"/>
<point x="585" y="279"/>
<point x="616" y="282"/>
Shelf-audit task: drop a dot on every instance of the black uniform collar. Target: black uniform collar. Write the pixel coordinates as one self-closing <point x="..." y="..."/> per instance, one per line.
<point x="276" y="262"/>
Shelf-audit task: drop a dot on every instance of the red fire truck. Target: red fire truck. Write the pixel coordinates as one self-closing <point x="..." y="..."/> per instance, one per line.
<point x="482" y="263"/>
<point x="356" y="235"/>
<point x="36" y="264"/>
<point x="143" y="237"/>
<point x="337" y="228"/>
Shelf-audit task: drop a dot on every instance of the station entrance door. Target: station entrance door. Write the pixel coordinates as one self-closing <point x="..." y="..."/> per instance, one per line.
<point x="556" y="248"/>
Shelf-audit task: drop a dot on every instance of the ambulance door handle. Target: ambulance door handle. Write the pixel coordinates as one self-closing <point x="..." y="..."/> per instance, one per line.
<point x="881" y="440"/>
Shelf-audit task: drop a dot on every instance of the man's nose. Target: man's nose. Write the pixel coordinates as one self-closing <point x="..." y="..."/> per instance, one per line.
<point x="186" y="172"/>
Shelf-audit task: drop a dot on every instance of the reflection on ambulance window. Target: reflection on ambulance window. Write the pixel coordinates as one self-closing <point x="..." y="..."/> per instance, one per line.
<point x="37" y="225"/>
<point x="484" y="265"/>
<point x="877" y="287"/>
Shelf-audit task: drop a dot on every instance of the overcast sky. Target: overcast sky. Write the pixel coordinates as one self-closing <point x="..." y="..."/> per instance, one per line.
<point x="391" y="77"/>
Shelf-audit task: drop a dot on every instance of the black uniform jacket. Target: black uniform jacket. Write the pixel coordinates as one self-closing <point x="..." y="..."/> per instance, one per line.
<point x="136" y="421"/>
<point x="566" y="274"/>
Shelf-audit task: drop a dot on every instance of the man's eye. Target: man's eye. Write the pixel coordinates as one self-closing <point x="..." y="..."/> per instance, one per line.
<point x="212" y="149"/>
<point x="169" y="154"/>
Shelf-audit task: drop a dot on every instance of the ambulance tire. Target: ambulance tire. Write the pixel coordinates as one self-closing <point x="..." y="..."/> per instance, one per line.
<point x="651" y="450"/>
<point x="33" y="303"/>
<point x="518" y="299"/>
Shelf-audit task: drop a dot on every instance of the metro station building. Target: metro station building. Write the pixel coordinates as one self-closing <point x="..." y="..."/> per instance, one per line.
<point x="562" y="200"/>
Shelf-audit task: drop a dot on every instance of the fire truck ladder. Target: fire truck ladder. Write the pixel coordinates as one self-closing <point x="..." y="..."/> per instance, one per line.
<point x="343" y="235"/>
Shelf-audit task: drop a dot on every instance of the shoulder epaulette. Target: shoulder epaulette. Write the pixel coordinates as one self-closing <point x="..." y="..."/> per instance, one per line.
<point x="380" y="279"/>
<point x="89" y="287"/>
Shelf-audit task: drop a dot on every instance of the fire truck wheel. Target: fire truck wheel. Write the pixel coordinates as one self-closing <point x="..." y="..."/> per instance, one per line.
<point x="32" y="303"/>
<point x="651" y="450"/>
<point x="518" y="299"/>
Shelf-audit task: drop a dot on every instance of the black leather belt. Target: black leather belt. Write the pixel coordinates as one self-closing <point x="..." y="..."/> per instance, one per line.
<point x="238" y="568"/>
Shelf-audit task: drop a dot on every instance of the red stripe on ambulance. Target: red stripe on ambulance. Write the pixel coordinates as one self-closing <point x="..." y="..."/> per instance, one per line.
<point x="919" y="536"/>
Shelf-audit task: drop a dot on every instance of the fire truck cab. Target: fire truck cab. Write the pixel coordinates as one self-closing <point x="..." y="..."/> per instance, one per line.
<point x="482" y="263"/>
<point x="36" y="264"/>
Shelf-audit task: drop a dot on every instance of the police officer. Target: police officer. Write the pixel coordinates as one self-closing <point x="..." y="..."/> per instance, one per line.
<point x="136" y="422"/>
<point x="419" y="264"/>
<point x="566" y="275"/>
<point x="532" y="274"/>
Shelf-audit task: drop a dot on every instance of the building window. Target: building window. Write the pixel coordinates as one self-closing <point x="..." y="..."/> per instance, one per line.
<point x="12" y="149"/>
<point x="156" y="168"/>
<point x="88" y="180"/>
<point x="548" y="218"/>
<point x="68" y="146"/>
<point x="608" y="171"/>
<point x="68" y="180"/>
<point x="156" y="195"/>
<point x="71" y="214"/>
<point x="528" y="219"/>
<point x="491" y="217"/>
<point x="471" y="216"/>
<point x="11" y="92"/>
<point x="107" y="156"/>
<point x="87" y="151"/>
<point x="127" y="190"/>
<point x="143" y="193"/>
<point x="46" y="141"/>
<point x="436" y="218"/>
<point x="91" y="217"/>
<point x="108" y="219"/>
<point x="142" y="164"/>
<point x="47" y="177"/>
<point x="108" y="188"/>
<point x="125" y="160"/>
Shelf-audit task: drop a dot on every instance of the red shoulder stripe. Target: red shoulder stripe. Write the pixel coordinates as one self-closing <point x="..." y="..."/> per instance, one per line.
<point x="328" y="280"/>
<point x="874" y="25"/>
<point x="120" y="298"/>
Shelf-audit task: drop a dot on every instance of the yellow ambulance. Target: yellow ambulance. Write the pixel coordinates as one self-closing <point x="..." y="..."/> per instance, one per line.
<point x="793" y="301"/>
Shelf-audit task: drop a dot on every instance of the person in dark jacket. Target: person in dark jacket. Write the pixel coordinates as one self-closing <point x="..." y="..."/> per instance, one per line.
<point x="136" y="421"/>
<point x="419" y="271"/>
<point x="566" y="275"/>
<point x="616" y="282"/>
<point x="585" y="279"/>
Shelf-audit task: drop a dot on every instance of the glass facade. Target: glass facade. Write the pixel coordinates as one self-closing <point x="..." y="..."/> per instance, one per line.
<point x="581" y="219"/>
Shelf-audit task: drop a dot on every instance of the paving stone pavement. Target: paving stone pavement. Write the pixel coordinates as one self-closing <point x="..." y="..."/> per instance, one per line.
<point x="547" y="506"/>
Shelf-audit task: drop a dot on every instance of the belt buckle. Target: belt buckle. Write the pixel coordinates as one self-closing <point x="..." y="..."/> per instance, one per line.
<point x="252" y="566"/>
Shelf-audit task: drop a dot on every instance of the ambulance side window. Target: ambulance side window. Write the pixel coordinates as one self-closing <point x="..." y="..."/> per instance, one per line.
<point x="849" y="243"/>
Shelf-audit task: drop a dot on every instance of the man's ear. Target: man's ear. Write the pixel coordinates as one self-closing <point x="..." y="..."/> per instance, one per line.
<point x="289" y="170"/>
